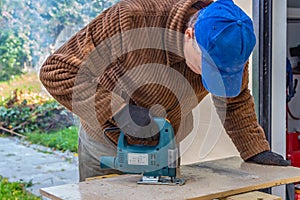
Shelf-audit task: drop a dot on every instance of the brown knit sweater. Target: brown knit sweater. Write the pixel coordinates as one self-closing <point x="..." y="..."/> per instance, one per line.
<point x="132" y="53"/>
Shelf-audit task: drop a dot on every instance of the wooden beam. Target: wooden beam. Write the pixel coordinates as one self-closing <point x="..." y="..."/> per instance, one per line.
<point x="11" y="132"/>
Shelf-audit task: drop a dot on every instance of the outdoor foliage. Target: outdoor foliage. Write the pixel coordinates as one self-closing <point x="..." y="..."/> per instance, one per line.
<point x="28" y="112"/>
<point x="12" y="55"/>
<point x="27" y="82"/>
<point x="15" y="190"/>
<point x="64" y="140"/>
<point x="32" y="29"/>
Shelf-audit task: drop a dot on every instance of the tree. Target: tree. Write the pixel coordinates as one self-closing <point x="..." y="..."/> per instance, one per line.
<point x="13" y="53"/>
<point x="30" y="27"/>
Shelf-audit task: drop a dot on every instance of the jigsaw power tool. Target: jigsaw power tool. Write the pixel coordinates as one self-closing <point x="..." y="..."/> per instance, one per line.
<point x="158" y="163"/>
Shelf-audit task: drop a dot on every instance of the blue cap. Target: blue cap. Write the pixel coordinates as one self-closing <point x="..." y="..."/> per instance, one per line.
<point x="226" y="38"/>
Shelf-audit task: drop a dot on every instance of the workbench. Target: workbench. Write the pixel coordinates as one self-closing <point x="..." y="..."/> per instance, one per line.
<point x="205" y="180"/>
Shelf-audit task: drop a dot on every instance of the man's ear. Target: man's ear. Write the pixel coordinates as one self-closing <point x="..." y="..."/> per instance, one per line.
<point x="189" y="33"/>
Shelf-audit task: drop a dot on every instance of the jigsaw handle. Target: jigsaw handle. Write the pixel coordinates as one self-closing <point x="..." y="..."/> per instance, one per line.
<point x="166" y="137"/>
<point x="107" y="162"/>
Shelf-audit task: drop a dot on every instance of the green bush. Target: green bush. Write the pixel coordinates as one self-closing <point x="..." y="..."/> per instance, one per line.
<point x="15" y="190"/>
<point x="12" y="54"/>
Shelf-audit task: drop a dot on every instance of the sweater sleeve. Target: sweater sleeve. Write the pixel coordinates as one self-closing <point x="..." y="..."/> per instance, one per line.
<point x="239" y="120"/>
<point x="74" y="74"/>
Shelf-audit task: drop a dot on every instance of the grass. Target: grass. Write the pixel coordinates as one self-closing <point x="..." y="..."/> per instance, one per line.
<point x="26" y="82"/>
<point x="15" y="190"/>
<point x="66" y="139"/>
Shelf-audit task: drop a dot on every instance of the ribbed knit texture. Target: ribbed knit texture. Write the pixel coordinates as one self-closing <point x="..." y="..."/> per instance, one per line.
<point x="113" y="61"/>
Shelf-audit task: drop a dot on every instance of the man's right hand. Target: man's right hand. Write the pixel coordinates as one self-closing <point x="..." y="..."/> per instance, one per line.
<point x="137" y="123"/>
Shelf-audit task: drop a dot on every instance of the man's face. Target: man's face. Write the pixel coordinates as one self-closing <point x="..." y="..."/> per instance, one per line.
<point x="192" y="52"/>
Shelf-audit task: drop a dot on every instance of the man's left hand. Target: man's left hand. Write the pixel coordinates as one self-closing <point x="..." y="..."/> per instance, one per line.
<point x="268" y="158"/>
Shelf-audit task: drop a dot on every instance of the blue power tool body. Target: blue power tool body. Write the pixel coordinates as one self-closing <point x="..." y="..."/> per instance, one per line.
<point x="158" y="163"/>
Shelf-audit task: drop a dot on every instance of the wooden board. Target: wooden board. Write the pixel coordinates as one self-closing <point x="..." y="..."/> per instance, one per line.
<point x="207" y="180"/>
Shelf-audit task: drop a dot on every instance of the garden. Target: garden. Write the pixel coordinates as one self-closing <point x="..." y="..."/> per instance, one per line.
<point x="31" y="31"/>
<point x="34" y="117"/>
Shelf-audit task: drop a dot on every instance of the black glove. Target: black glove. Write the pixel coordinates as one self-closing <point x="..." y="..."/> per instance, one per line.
<point x="268" y="158"/>
<point x="137" y="123"/>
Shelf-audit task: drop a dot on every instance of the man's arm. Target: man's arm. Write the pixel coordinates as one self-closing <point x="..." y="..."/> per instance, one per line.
<point x="239" y="119"/>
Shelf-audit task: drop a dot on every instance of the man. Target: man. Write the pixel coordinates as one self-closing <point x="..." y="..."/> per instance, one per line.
<point x="140" y="59"/>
